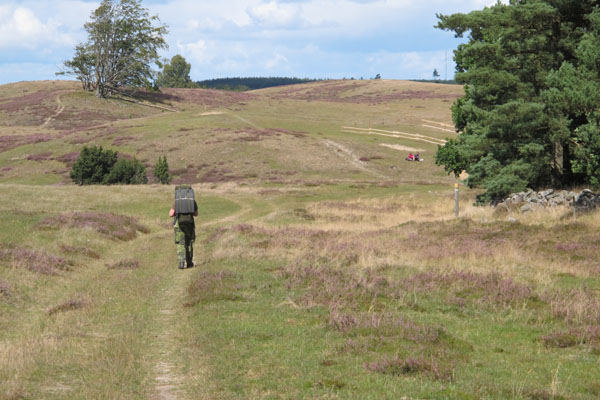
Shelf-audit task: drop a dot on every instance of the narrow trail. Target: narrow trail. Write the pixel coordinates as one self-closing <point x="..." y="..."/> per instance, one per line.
<point x="394" y="134"/>
<point x="349" y="155"/>
<point x="59" y="110"/>
<point x="169" y="377"/>
<point x="244" y="120"/>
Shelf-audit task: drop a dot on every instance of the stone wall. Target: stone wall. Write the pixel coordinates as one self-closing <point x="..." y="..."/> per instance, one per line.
<point x="530" y="200"/>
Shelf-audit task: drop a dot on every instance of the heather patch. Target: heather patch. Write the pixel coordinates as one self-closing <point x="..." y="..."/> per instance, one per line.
<point x="208" y="97"/>
<point x="581" y="306"/>
<point x="40" y="156"/>
<point x="383" y="324"/>
<point x="69" y="158"/>
<point x="5" y="288"/>
<point x="462" y="286"/>
<point x="124" y="264"/>
<point x="419" y="365"/>
<point x="370" y="158"/>
<point x="78" y="250"/>
<point x="12" y="141"/>
<point x="34" y="261"/>
<point x="123" y="140"/>
<point x="574" y="337"/>
<point x="73" y="120"/>
<point x="31" y="108"/>
<point x="75" y="303"/>
<point x="344" y="92"/>
<point x="216" y="175"/>
<point x="210" y="287"/>
<point x="335" y="289"/>
<point x="114" y="226"/>
<point x="361" y="307"/>
<point x="81" y="140"/>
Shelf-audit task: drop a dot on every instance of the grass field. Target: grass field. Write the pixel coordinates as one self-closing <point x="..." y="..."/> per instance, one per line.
<point x="326" y="266"/>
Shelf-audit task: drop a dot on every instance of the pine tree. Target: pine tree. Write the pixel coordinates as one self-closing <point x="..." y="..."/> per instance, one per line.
<point x="532" y="90"/>
<point x="161" y="170"/>
<point x="93" y="165"/>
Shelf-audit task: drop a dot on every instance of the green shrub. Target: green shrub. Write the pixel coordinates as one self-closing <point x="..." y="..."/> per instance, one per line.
<point x="93" y="165"/>
<point x="127" y="172"/>
<point x="98" y="166"/>
<point x="161" y="170"/>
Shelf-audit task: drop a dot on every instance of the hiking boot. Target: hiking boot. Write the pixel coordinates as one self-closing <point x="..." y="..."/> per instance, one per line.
<point x="181" y="265"/>
<point x="190" y="265"/>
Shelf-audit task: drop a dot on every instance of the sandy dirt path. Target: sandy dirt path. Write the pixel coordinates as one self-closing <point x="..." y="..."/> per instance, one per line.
<point x="395" y="134"/>
<point x="59" y="110"/>
<point x="350" y="157"/>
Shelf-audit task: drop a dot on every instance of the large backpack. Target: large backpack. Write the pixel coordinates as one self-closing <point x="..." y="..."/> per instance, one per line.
<point x="184" y="200"/>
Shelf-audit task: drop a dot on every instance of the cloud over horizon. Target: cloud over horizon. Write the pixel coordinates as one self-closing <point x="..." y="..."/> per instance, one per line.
<point x="303" y="38"/>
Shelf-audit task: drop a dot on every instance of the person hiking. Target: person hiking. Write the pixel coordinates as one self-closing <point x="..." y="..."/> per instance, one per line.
<point x="183" y="211"/>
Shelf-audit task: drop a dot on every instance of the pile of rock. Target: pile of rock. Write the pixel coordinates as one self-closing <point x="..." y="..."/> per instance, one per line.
<point x="531" y="200"/>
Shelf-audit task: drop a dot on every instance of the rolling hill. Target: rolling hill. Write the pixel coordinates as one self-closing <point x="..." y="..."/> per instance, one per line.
<point x="327" y="267"/>
<point x="307" y="132"/>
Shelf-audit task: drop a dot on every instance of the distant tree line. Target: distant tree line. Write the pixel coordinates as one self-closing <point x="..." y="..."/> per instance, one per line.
<point x="445" y="81"/>
<point x="252" y="83"/>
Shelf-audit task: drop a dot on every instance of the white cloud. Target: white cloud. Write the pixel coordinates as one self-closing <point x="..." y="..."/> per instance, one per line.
<point x="36" y="25"/>
<point x="275" y="15"/>
<point x="313" y="38"/>
<point x="277" y="62"/>
<point x="196" y="51"/>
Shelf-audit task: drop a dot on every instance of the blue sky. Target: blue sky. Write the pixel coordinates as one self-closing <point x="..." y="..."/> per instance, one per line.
<point x="226" y="38"/>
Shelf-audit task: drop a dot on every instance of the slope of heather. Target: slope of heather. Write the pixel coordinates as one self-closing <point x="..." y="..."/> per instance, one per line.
<point x="327" y="267"/>
<point x="294" y="133"/>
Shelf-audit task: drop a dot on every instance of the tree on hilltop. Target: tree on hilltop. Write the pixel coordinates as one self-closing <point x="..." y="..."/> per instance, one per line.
<point x="530" y="115"/>
<point x="121" y="47"/>
<point x="176" y="74"/>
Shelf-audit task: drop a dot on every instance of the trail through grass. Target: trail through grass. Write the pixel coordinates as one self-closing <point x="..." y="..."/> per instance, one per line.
<point x="327" y="267"/>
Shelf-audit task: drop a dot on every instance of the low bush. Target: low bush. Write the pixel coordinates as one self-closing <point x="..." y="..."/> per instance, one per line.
<point x="129" y="172"/>
<point x="98" y="166"/>
<point x="34" y="261"/>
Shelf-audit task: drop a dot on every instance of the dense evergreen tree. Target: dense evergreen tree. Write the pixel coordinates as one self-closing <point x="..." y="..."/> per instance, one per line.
<point x="121" y="47"/>
<point x="161" y="170"/>
<point x="93" y="165"/>
<point x="529" y="116"/>
<point x="128" y="172"/>
<point x="98" y="166"/>
<point x="176" y="74"/>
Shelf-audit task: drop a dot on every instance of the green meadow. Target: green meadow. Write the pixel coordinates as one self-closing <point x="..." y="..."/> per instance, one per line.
<point x="327" y="266"/>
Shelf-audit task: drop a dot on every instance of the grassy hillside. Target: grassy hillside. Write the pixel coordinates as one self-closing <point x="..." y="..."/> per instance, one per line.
<point x="326" y="266"/>
<point x="284" y="134"/>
